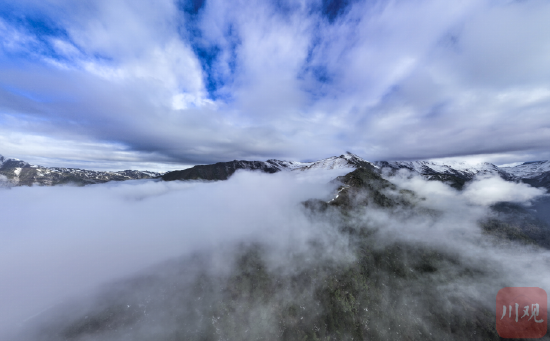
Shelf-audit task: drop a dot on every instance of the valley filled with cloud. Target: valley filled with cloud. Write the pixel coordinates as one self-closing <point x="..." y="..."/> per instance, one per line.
<point x="121" y="261"/>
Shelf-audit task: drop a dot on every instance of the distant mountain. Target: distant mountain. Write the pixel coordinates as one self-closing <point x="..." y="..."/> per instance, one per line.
<point x="528" y="170"/>
<point x="21" y="173"/>
<point x="454" y="173"/>
<point x="535" y="173"/>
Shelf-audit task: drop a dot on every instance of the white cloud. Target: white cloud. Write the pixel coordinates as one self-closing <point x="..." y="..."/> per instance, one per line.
<point x="71" y="239"/>
<point x="492" y="190"/>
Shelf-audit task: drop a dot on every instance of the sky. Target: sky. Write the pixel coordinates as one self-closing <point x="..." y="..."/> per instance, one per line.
<point x="165" y="84"/>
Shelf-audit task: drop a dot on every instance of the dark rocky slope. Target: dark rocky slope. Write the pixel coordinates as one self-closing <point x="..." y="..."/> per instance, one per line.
<point x="221" y="170"/>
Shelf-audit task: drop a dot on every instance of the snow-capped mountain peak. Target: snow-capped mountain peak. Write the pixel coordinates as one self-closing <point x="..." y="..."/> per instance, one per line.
<point x="528" y="170"/>
<point x="288" y="165"/>
<point x="347" y="160"/>
<point x="349" y="156"/>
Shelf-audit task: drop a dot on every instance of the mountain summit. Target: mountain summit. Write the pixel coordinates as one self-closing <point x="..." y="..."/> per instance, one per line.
<point x="347" y="160"/>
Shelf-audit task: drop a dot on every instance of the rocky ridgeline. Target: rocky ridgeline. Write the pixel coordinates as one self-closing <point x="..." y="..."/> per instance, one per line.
<point x="456" y="174"/>
<point x="223" y="170"/>
<point x="14" y="172"/>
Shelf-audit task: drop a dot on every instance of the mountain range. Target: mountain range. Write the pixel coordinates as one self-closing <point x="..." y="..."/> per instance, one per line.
<point x="20" y="173"/>
<point x="456" y="174"/>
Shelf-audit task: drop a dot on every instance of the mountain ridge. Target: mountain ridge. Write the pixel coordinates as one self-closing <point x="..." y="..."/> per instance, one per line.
<point x="21" y="173"/>
<point x="223" y="170"/>
<point x="456" y="174"/>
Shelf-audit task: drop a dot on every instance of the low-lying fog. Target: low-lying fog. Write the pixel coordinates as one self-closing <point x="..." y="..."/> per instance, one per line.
<point x="63" y="241"/>
<point x="60" y="242"/>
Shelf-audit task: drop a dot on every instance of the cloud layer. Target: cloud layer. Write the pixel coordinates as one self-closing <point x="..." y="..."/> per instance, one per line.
<point x="186" y="82"/>
<point x="71" y="239"/>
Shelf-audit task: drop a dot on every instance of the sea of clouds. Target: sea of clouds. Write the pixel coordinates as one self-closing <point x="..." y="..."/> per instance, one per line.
<point x="63" y="242"/>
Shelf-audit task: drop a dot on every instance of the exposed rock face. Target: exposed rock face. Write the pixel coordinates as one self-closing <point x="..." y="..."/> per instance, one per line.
<point x="21" y="173"/>
<point x="362" y="187"/>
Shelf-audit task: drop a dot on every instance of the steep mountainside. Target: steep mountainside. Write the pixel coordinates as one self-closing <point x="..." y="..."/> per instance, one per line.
<point x="364" y="187"/>
<point x="21" y="173"/>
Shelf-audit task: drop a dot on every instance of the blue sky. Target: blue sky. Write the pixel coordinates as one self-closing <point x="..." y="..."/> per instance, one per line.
<point x="163" y="84"/>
